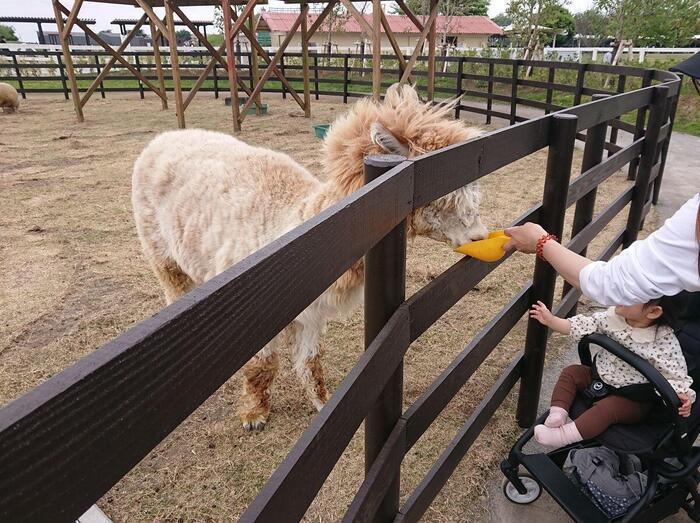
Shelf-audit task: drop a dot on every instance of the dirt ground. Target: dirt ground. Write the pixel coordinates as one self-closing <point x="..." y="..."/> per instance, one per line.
<point x="74" y="278"/>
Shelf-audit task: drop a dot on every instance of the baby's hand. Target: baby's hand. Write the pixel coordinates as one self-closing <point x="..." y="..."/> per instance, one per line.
<point x="684" y="409"/>
<point x="540" y="312"/>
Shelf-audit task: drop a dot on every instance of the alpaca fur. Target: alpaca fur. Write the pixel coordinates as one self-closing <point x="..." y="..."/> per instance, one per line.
<point x="9" y="99"/>
<point x="204" y="200"/>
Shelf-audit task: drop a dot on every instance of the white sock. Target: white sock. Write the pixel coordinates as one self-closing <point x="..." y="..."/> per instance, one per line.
<point x="557" y="417"/>
<point x="557" y="436"/>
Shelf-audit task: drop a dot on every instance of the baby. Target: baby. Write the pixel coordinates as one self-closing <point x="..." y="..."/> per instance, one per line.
<point x="641" y="329"/>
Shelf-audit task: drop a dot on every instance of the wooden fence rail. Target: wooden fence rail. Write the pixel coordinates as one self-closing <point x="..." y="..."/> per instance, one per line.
<point x="67" y="442"/>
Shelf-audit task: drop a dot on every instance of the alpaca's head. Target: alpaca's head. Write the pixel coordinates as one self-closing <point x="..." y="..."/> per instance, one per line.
<point x="404" y="125"/>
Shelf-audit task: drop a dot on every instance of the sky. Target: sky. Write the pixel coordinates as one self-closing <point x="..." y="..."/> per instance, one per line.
<point x="104" y="13"/>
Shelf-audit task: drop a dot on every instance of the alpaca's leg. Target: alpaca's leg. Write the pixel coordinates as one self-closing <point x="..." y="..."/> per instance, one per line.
<point x="308" y="363"/>
<point x="258" y="375"/>
<point x="174" y="281"/>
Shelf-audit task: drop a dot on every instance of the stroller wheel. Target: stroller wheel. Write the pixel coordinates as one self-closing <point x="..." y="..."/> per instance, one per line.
<point x="533" y="490"/>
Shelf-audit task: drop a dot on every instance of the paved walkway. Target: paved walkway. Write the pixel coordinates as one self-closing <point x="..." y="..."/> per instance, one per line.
<point x="681" y="181"/>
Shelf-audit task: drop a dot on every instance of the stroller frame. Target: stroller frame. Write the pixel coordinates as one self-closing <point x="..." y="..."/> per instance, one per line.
<point x="675" y="441"/>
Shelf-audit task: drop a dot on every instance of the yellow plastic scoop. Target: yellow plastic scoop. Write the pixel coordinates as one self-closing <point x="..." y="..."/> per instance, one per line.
<point x="488" y="250"/>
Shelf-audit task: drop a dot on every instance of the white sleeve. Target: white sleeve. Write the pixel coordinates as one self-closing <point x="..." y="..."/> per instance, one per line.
<point x="663" y="264"/>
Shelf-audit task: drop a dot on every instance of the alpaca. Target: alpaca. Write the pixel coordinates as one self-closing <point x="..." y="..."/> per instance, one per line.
<point x="9" y="99"/>
<point x="203" y="201"/>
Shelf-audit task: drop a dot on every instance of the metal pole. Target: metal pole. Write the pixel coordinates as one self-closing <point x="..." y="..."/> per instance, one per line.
<point x="592" y="155"/>
<point x="562" y="137"/>
<point x="657" y="116"/>
<point x="385" y="290"/>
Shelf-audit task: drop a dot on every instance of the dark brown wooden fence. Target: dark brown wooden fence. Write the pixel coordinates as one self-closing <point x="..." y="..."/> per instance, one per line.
<point x="68" y="441"/>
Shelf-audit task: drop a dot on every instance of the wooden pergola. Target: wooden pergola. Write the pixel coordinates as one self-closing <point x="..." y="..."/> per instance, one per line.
<point x="244" y="23"/>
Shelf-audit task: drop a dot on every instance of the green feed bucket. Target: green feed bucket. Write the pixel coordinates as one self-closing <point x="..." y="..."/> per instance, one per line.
<point x="243" y="100"/>
<point x="320" y="130"/>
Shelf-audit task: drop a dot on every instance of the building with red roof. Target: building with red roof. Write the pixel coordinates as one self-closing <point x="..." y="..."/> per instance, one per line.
<point x="347" y="35"/>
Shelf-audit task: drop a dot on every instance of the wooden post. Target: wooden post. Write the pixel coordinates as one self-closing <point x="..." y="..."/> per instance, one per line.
<point x="231" y="65"/>
<point x="138" y="68"/>
<point x="376" y="49"/>
<point x="385" y="290"/>
<point x="62" y="73"/>
<point x="346" y="59"/>
<point x="98" y="69"/>
<point x="673" y="106"/>
<point x="489" y="100"/>
<point x="305" y="56"/>
<point x="514" y="92"/>
<point x="75" y="94"/>
<point x="613" y="130"/>
<point x="159" y="64"/>
<point x="550" y="90"/>
<point x="284" y="90"/>
<point x="647" y="159"/>
<point x="580" y="79"/>
<point x="316" y="75"/>
<point x="431" y="55"/>
<point x="254" y="72"/>
<point x="562" y="137"/>
<point x="216" y="81"/>
<point x="459" y="90"/>
<point x="592" y="155"/>
<point x="175" y="64"/>
<point x="18" y="74"/>
<point x="639" y="125"/>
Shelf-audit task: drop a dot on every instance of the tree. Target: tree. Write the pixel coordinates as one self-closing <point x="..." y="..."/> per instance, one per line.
<point x="447" y="7"/>
<point x="335" y="23"/>
<point x="662" y="23"/>
<point x="560" y="19"/>
<point x="590" y="25"/>
<point x="502" y="20"/>
<point x="7" y="33"/>
<point x="530" y="16"/>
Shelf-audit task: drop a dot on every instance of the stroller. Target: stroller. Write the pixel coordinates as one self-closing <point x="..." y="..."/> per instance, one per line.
<point x="671" y="484"/>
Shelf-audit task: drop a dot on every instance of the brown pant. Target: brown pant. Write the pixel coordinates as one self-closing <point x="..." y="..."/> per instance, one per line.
<point x="603" y="413"/>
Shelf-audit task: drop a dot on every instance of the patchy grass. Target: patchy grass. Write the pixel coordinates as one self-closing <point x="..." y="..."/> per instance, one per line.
<point x="75" y="279"/>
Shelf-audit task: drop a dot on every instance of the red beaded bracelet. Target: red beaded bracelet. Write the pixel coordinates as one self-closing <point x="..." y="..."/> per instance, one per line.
<point x="540" y="244"/>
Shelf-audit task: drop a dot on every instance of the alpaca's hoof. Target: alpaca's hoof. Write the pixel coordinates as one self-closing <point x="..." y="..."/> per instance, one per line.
<point x="254" y="426"/>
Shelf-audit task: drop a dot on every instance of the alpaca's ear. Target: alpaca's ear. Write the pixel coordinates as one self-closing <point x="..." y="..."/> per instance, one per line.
<point x="382" y="137"/>
<point x="398" y="93"/>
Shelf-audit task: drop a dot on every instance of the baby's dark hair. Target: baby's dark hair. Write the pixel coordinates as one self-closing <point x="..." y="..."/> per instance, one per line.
<point x="663" y="319"/>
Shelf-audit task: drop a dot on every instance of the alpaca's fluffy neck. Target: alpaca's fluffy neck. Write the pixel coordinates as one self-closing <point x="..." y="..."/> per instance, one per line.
<point x="323" y="196"/>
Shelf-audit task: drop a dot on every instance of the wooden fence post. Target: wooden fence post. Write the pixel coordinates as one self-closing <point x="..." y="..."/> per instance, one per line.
<point x="580" y="79"/>
<point x="514" y="91"/>
<point x="138" y="68"/>
<point x="284" y="90"/>
<point x="647" y="159"/>
<point x="18" y="74"/>
<point x="489" y="101"/>
<point x="216" y="82"/>
<point x="62" y="72"/>
<point x="592" y="155"/>
<point x="345" y="78"/>
<point x="621" y="80"/>
<point x="639" y="126"/>
<point x="458" y="91"/>
<point x="385" y="290"/>
<point x="98" y="68"/>
<point x="550" y="90"/>
<point x="673" y="106"/>
<point x="316" y="75"/>
<point x="562" y="137"/>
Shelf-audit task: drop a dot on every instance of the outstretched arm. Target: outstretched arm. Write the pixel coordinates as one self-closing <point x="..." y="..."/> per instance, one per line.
<point x="541" y="313"/>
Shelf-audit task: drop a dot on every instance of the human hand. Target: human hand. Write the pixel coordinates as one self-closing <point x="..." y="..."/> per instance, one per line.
<point x="684" y="409"/>
<point x="524" y="238"/>
<point x="541" y="313"/>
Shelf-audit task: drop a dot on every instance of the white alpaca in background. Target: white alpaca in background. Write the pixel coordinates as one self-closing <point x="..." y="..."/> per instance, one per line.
<point x="204" y="200"/>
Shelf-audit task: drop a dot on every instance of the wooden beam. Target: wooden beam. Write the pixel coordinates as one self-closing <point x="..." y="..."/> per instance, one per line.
<point x="75" y="93"/>
<point x="231" y="64"/>
<point x="254" y="72"/>
<point x="431" y="53"/>
<point x="410" y="14"/>
<point x="112" y="61"/>
<point x="305" y="57"/>
<point x="273" y="64"/>
<point x="358" y="16"/>
<point x="321" y="18"/>
<point x="154" y="17"/>
<point x="239" y="21"/>
<point x="421" y="38"/>
<point x="395" y="45"/>
<point x="266" y="57"/>
<point x="159" y="64"/>
<point x="376" y="49"/>
<point x="174" y="64"/>
<point x="65" y="33"/>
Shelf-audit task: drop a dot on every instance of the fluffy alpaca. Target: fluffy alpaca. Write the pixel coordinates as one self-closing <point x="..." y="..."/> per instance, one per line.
<point x="204" y="200"/>
<point x="9" y="99"/>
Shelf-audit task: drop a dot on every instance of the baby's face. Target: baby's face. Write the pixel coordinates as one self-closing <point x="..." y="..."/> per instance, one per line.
<point x="640" y="314"/>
